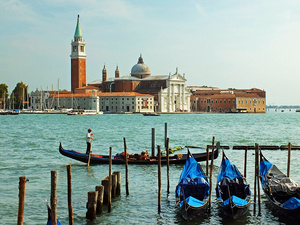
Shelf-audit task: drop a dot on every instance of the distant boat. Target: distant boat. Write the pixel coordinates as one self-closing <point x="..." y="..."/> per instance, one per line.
<point x="297" y="110"/>
<point x="84" y="112"/>
<point x="151" y="114"/>
<point x="10" y="112"/>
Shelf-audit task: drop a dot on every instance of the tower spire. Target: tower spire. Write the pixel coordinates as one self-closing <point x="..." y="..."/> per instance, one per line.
<point x="78" y="32"/>
<point x="78" y="59"/>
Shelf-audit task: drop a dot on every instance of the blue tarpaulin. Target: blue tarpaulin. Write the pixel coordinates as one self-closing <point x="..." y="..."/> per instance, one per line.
<point x="236" y="200"/>
<point x="49" y="222"/>
<point x="229" y="170"/>
<point x="192" y="179"/>
<point x="264" y="167"/>
<point x="192" y="202"/>
<point x="292" y="203"/>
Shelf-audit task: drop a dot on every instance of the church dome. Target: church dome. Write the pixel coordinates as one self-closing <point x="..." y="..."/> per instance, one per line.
<point x="140" y="69"/>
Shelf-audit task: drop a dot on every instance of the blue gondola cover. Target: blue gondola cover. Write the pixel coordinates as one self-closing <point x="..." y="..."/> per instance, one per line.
<point x="192" y="202"/>
<point x="292" y="203"/>
<point x="192" y="180"/>
<point x="236" y="200"/>
<point x="228" y="170"/>
<point x="264" y="167"/>
<point x="230" y="175"/>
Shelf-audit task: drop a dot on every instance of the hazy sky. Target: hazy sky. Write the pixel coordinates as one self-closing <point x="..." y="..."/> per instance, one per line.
<point x="221" y="43"/>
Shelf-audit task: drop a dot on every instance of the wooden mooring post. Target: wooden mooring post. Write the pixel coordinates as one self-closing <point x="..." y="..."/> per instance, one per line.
<point x="110" y="179"/>
<point x="113" y="185"/>
<point x="118" y="182"/>
<point x="159" y="178"/>
<point x="211" y="172"/>
<point x="100" y="190"/>
<point x="289" y="159"/>
<point x="53" y="198"/>
<point x="166" y="134"/>
<point x="168" y="166"/>
<point x="105" y="183"/>
<point x="255" y="180"/>
<point x="245" y="163"/>
<point x="92" y="205"/>
<point x="70" y="207"/>
<point x="22" y="181"/>
<point x="153" y="143"/>
<point x="207" y="159"/>
<point x="126" y="167"/>
<point x="257" y="176"/>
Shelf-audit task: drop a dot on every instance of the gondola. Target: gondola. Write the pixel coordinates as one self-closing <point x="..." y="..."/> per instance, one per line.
<point x="232" y="190"/>
<point x="132" y="159"/>
<point x="282" y="192"/>
<point x="192" y="191"/>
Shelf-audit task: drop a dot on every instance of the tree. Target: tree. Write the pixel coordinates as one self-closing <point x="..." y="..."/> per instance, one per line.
<point x="3" y="94"/>
<point x="3" y="90"/>
<point x="18" y="94"/>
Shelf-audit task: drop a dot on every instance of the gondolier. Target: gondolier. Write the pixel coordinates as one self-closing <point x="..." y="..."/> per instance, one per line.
<point x="89" y="139"/>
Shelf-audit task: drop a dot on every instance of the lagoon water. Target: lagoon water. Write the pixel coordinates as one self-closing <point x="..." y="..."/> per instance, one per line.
<point x="29" y="147"/>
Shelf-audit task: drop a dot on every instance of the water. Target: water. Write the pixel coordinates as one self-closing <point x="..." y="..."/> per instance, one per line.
<point x="29" y="147"/>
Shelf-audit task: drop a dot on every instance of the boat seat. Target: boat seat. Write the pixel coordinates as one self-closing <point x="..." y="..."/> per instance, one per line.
<point x="197" y="188"/>
<point x="236" y="187"/>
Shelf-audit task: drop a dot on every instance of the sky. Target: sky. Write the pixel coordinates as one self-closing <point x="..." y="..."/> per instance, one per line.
<point x="220" y="43"/>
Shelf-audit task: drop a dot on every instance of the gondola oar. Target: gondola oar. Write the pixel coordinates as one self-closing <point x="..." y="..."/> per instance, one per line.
<point x="89" y="158"/>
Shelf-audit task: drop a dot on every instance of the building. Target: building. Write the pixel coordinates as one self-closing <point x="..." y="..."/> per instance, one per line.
<point x="169" y="91"/>
<point x="78" y="60"/>
<point x="212" y="99"/>
<point x="122" y="102"/>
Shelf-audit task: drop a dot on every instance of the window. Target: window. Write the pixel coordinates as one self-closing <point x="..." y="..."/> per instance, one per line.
<point x="221" y="101"/>
<point x="82" y="48"/>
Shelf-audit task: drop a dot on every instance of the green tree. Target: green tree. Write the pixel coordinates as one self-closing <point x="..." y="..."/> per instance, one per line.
<point x="3" y="90"/>
<point x="3" y="94"/>
<point x="17" y="95"/>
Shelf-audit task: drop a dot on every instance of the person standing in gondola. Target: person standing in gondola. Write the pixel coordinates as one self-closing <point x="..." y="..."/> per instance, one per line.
<point x="89" y="139"/>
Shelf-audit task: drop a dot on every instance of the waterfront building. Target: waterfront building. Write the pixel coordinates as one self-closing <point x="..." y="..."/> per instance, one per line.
<point x="169" y="91"/>
<point x="125" y="102"/>
<point x="212" y="99"/>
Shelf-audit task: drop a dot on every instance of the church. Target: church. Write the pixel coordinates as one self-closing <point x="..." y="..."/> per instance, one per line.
<point x="168" y="91"/>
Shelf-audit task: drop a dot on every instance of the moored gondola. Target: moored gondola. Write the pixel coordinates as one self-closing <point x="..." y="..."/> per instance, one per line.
<point x="192" y="191"/>
<point x="282" y="192"/>
<point x="133" y="158"/>
<point x="232" y="190"/>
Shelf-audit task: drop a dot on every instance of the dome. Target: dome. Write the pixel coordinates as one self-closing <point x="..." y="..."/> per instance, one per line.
<point x="140" y="69"/>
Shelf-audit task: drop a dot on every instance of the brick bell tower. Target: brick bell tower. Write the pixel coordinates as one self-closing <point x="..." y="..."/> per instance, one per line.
<point x="78" y="60"/>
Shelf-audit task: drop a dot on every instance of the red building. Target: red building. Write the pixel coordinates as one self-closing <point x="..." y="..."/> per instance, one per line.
<point x="78" y="60"/>
<point x="211" y="99"/>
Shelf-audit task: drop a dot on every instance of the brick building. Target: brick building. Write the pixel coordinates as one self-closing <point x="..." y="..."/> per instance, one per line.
<point x="78" y="60"/>
<point x="211" y="99"/>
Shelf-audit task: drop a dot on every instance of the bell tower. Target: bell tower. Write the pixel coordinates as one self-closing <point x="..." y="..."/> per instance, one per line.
<point x="78" y="60"/>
